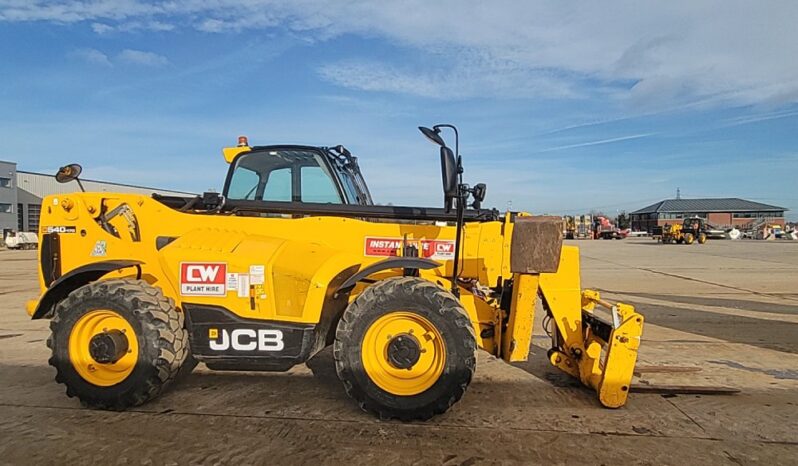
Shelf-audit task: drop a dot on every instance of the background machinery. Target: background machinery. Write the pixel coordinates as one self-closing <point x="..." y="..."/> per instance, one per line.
<point x="569" y="227"/>
<point x="605" y="229"/>
<point x="689" y="231"/>
<point x="21" y="240"/>
<point x="584" y="227"/>
<point x="292" y="257"/>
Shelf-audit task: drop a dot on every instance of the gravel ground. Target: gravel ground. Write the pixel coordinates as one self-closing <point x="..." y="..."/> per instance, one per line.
<point x="728" y="308"/>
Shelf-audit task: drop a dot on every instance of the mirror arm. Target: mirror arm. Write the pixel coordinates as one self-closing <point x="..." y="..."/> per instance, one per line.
<point x="463" y="192"/>
<point x="462" y="197"/>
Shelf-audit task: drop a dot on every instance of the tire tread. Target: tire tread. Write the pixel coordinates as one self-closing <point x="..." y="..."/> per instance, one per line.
<point x="383" y="292"/>
<point x="161" y="323"/>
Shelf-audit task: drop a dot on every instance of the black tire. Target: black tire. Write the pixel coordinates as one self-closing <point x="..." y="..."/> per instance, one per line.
<point x="702" y="238"/>
<point x="431" y="302"/>
<point x="162" y="341"/>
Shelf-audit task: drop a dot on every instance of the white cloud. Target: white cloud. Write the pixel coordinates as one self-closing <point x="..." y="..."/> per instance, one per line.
<point x="152" y="25"/>
<point x="127" y="56"/>
<point x="91" y="56"/>
<point x="139" y="57"/>
<point x="131" y="26"/>
<point x="234" y="22"/>
<point x="211" y="25"/>
<point x="158" y="26"/>
<point x="705" y="52"/>
<point x="470" y="77"/>
<point x="599" y="142"/>
<point x="101" y="28"/>
<point x="748" y="119"/>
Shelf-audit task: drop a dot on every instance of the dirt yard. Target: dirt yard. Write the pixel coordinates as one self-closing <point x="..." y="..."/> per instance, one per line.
<point x="729" y="309"/>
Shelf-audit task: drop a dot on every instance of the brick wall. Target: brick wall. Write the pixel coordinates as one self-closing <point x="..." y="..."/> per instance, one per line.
<point x="719" y="218"/>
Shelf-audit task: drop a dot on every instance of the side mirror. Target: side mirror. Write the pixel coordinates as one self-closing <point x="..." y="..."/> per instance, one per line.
<point x="433" y="135"/>
<point x="68" y="173"/>
<point x="479" y="192"/>
<point x="449" y="177"/>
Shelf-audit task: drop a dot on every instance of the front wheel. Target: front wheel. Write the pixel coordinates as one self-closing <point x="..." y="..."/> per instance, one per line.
<point x="405" y="349"/>
<point x="117" y="343"/>
<point x="702" y="238"/>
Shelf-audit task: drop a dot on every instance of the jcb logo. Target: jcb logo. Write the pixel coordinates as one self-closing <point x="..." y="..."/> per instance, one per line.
<point x="246" y="339"/>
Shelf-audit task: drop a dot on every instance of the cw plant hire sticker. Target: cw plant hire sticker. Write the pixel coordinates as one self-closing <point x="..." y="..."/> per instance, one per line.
<point x="203" y="278"/>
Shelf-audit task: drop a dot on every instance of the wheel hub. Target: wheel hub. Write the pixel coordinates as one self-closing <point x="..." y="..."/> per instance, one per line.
<point x="404" y="351"/>
<point x="103" y="347"/>
<point x="108" y="347"/>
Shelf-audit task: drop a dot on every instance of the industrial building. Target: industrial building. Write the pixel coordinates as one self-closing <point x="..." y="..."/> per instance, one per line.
<point x="720" y="213"/>
<point x="21" y="194"/>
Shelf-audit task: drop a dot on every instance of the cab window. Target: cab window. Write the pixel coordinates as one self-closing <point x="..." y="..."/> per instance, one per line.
<point x="243" y="184"/>
<point x="278" y="186"/>
<point x="317" y="186"/>
<point x="283" y="175"/>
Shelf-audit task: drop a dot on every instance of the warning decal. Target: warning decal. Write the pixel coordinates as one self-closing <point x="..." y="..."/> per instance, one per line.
<point x="203" y="278"/>
<point x="385" y="246"/>
<point x="428" y="248"/>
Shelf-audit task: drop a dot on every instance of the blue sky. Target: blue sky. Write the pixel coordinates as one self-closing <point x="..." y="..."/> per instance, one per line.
<point x="563" y="107"/>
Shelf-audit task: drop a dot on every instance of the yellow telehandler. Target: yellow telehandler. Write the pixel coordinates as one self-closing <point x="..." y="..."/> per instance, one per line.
<point x="692" y="229"/>
<point x="293" y="256"/>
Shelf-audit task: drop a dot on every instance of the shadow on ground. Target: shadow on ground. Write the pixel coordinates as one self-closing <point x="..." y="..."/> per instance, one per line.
<point x="764" y="333"/>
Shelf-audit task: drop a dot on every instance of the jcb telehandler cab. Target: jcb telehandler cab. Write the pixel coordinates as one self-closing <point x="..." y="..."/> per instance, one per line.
<point x="292" y="257"/>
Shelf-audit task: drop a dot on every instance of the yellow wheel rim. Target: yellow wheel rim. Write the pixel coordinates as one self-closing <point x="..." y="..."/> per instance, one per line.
<point x="423" y="373"/>
<point x="94" y="323"/>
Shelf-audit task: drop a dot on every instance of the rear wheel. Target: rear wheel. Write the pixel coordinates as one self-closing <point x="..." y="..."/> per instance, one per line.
<point x="702" y="238"/>
<point x="689" y="238"/>
<point x="117" y="343"/>
<point x="405" y="349"/>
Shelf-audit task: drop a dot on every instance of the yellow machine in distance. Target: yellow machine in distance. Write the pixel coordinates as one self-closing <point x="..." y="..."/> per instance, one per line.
<point x="293" y="256"/>
<point x="692" y="229"/>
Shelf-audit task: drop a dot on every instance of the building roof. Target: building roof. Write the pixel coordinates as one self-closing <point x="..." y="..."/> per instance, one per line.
<point x="41" y="184"/>
<point x="731" y="204"/>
